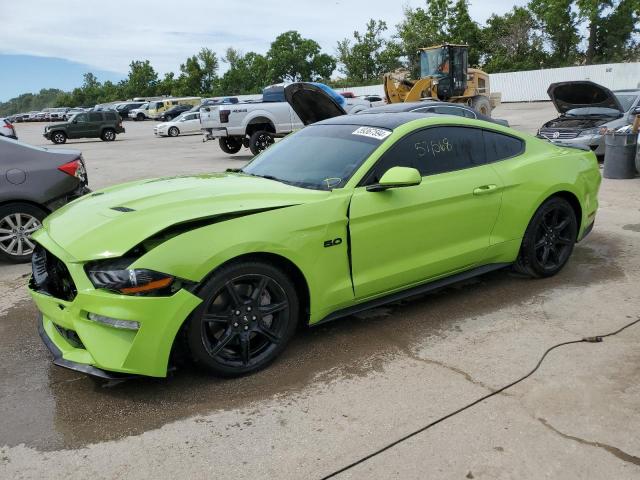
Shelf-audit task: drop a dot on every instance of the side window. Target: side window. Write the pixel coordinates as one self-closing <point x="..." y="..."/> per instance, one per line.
<point x="499" y="146"/>
<point x="95" y="117"/>
<point x="80" y="118"/>
<point x="432" y="151"/>
<point x="110" y="116"/>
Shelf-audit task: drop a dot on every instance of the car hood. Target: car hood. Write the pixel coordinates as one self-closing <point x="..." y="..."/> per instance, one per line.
<point x="110" y="222"/>
<point x="314" y="102"/>
<point x="580" y="94"/>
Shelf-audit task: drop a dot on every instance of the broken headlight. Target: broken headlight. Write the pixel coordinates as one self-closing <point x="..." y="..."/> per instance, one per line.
<point x="115" y="275"/>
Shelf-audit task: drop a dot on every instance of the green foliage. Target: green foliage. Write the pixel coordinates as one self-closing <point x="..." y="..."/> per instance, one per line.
<point x="369" y="56"/>
<point x="247" y="73"/>
<point x="558" y="23"/>
<point x="142" y="80"/>
<point x="294" y="58"/>
<point x="511" y="42"/>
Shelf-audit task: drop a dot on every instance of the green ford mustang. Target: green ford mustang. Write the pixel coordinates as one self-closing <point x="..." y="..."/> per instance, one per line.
<point x="346" y="214"/>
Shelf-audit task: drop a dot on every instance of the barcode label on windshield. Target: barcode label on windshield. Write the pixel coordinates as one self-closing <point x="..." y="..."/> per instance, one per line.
<point x="377" y="133"/>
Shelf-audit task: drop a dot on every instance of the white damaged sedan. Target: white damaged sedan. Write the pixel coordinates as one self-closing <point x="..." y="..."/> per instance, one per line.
<point x="187" y="123"/>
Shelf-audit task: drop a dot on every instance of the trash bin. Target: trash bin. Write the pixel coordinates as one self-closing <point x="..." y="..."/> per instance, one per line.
<point x="620" y="155"/>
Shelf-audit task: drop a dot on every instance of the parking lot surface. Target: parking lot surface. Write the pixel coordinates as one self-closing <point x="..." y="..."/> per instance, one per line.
<point x="347" y="388"/>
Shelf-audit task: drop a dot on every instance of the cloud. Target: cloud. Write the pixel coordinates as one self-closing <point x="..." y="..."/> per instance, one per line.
<point x="109" y="36"/>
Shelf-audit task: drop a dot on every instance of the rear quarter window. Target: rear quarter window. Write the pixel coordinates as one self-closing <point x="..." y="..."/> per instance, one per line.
<point x="110" y="116"/>
<point x="500" y="147"/>
<point x="95" y="117"/>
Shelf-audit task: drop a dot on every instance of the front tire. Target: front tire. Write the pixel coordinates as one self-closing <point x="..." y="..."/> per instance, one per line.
<point x="173" y="132"/>
<point x="249" y="314"/>
<point x="58" y="138"/>
<point x="140" y="117"/>
<point x="260" y="141"/>
<point x="229" y="145"/>
<point x="549" y="239"/>
<point x="18" y="221"/>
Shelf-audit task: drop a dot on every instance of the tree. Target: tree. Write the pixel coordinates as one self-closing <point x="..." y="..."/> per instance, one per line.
<point x="611" y="25"/>
<point x="559" y="25"/>
<point x="167" y="85"/>
<point x="511" y="42"/>
<point x="369" y="56"/>
<point x="142" y="80"/>
<point x="294" y="58"/>
<point x="198" y="74"/>
<point x="247" y="73"/>
<point x="209" y="66"/>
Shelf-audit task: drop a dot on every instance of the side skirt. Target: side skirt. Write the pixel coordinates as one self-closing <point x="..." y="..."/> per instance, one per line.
<point x="410" y="292"/>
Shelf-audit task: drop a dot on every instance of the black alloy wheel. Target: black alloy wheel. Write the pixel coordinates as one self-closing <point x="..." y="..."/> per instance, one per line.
<point x="245" y="320"/>
<point x="549" y="239"/>
<point x="260" y="141"/>
<point x="229" y="145"/>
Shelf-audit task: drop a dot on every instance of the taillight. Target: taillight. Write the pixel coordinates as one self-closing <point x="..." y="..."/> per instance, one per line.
<point x="224" y="116"/>
<point x="70" y="168"/>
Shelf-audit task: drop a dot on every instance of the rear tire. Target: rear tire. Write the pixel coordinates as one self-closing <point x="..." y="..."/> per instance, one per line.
<point x="249" y="313"/>
<point x="17" y="222"/>
<point x="549" y="239"/>
<point x="260" y="141"/>
<point x="481" y="105"/>
<point x="58" y="138"/>
<point x="230" y="145"/>
<point x="108" y="135"/>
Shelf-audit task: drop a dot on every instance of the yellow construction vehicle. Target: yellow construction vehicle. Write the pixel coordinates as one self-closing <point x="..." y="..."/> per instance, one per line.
<point x="444" y="75"/>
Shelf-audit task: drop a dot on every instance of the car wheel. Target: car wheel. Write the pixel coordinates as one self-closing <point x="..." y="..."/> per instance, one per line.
<point x="140" y="117"/>
<point x="174" y="132"/>
<point x="260" y="141"/>
<point x="58" y="137"/>
<point x="549" y="239"/>
<point x="230" y="144"/>
<point x="108" y="135"/>
<point x="249" y="314"/>
<point x="17" y="222"/>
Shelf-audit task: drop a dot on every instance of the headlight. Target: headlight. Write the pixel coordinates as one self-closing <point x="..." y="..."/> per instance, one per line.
<point x="113" y="275"/>
<point x="589" y="132"/>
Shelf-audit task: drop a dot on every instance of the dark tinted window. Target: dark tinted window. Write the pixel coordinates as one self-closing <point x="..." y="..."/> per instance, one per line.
<point x="110" y="116"/>
<point x="95" y="117"/>
<point x="499" y="146"/>
<point x="432" y="151"/>
<point x="273" y="94"/>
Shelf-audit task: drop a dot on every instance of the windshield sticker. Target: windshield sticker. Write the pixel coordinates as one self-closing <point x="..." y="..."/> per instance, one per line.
<point x="332" y="182"/>
<point x="377" y="133"/>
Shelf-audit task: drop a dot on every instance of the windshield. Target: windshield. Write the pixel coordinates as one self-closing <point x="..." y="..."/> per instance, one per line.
<point x="593" y="112"/>
<point x="626" y="101"/>
<point x="434" y="63"/>
<point x="320" y="157"/>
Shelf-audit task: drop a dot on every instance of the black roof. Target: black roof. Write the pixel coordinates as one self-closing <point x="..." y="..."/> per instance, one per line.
<point x="381" y="120"/>
<point x="407" y="107"/>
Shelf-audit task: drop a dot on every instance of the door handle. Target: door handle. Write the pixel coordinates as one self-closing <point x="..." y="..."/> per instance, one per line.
<point x="485" y="189"/>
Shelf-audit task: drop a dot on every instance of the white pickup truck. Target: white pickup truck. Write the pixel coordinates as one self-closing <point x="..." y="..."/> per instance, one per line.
<point x="255" y="124"/>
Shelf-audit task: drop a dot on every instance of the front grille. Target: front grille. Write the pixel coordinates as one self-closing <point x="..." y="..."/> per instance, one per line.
<point x="555" y="134"/>
<point x="70" y="336"/>
<point x="51" y="276"/>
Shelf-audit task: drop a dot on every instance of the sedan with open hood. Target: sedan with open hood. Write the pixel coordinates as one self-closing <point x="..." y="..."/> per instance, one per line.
<point x="585" y="109"/>
<point x="346" y="214"/>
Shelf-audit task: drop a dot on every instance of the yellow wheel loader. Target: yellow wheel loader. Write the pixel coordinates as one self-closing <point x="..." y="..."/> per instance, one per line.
<point x="444" y="75"/>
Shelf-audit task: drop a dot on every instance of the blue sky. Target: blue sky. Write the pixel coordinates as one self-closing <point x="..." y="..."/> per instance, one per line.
<point x="53" y="48"/>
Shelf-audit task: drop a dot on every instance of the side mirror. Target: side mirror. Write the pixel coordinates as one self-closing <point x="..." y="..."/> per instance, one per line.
<point x="74" y="121"/>
<point x="636" y="111"/>
<point x="397" y="177"/>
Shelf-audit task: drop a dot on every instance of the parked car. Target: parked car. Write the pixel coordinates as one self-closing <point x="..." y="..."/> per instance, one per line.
<point x="34" y="182"/>
<point x="215" y="101"/>
<point x="71" y="112"/>
<point x="124" y="108"/>
<point x="435" y="106"/>
<point x="376" y="100"/>
<point x="255" y="124"/>
<point x="56" y="114"/>
<point x="7" y="129"/>
<point x="188" y="122"/>
<point x="104" y="125"/>
<point x="345" y="214"/>
<point x="141" y="113"/>
<point x="585" y="109"/>
<point x="157" y="107"/>
<point x="175" y="111"/>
